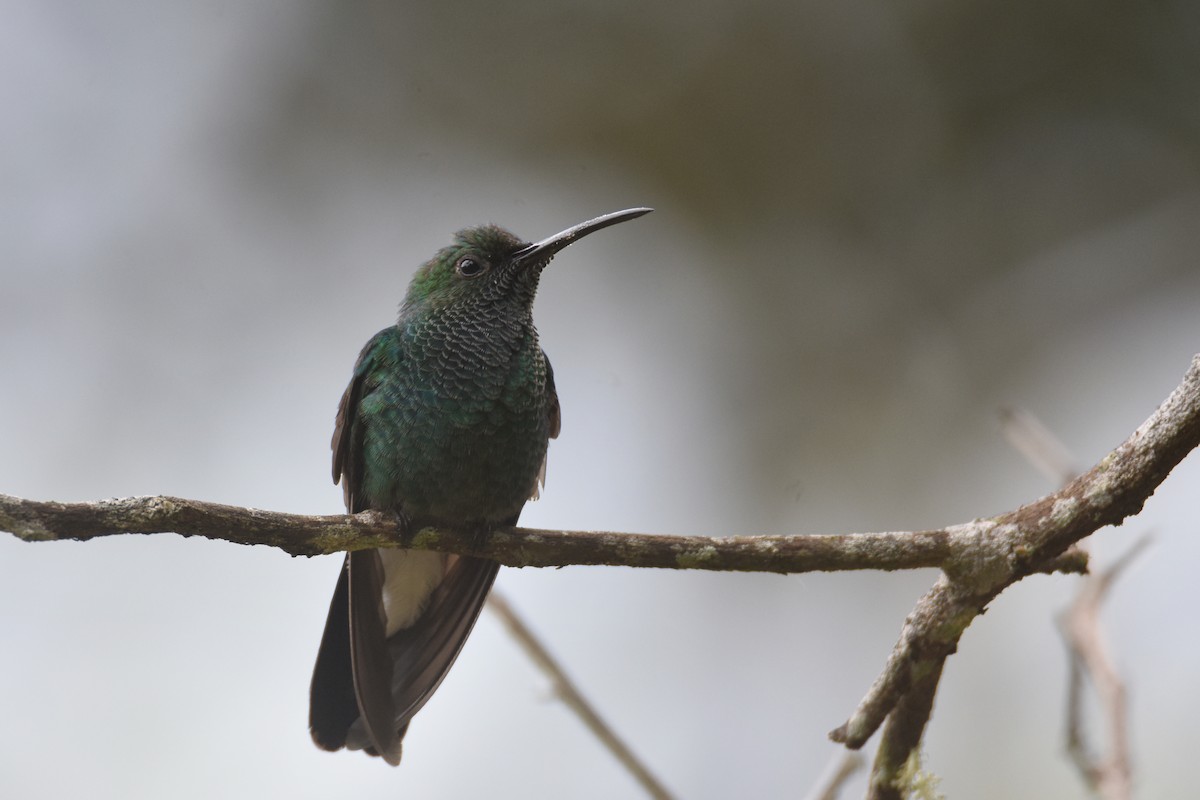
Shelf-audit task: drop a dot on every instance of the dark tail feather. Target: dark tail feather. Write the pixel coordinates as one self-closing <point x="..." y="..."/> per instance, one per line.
<point x="386" y="686"/>
<point x="424" y="653"/>
<point x="371" y="662"/>
<point x="333" y="707"/>
<point x="353" y="677"/>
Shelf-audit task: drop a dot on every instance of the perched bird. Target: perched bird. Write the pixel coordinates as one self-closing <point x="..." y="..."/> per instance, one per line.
<point x="446" y="422"/>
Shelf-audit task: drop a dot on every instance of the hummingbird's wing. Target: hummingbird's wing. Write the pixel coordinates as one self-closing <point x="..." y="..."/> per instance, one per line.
<point x="351" y="699"/>
<point x="370" y="662"/>
<point x="554" y="420"/>
<point x="347" y="436"/>
<point x="554" y="412"/>
<point x="343" y="660"/>
<point x="353" y="674"/>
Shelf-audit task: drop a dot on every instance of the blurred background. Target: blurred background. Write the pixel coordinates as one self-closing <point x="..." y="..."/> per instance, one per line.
<point x="877" y="223"/>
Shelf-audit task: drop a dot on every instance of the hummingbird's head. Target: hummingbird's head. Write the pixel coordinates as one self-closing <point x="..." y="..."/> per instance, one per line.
<point x="488" y="264"/>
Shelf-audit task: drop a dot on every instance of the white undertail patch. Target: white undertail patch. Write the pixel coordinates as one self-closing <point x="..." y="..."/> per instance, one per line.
<point x="409" y="578"/>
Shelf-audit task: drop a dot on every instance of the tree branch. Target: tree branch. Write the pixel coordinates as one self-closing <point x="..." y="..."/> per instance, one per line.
<point x="984" y="552"/>
<point x="902" y="735"/>
<point x="299" y="535"/>
<point x="566" y="690"/>
<point x="1110" y="777"/>
<point x="1011" y="546"/>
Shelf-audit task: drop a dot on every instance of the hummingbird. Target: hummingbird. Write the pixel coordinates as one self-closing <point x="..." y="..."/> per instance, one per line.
<point x="446" y="422"/>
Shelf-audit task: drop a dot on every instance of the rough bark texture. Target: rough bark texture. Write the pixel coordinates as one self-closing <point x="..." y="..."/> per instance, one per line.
<point x="45" y="521"/>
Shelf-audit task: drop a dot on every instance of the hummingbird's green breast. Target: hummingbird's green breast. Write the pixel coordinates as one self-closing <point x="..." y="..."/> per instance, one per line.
<point x="454" y="415"/>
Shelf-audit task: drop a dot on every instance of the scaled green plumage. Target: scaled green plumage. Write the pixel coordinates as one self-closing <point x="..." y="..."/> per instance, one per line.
<point x="446" y="421"/>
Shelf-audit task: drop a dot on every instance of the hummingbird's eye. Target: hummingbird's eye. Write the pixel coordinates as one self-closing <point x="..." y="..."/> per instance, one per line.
<point x="470" y="267"/>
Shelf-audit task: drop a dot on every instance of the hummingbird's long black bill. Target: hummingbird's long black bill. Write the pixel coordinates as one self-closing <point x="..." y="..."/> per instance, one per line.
<point x="543" y="250"/>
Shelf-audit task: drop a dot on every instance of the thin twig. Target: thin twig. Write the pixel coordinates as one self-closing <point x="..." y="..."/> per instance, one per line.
<point x="1111" y="777"/>
<point x="1041" y="448"/>
<point x="837" y="772"/>
<point x="565" y="688"/>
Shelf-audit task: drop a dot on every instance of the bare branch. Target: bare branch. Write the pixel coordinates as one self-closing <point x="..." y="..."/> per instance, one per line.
<point x="34" y="521"/>
<point x="902" y="735"/>
<point x="1014" y="545"/>
<point x="1039" y="445"/>
<point x="1111" y="777"/>
<point x="564" y="687"/>
<point x="986" y="553"/>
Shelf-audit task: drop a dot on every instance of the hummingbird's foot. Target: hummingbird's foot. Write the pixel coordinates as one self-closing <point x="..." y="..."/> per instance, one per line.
<point x="481" y="535"/>
<point x="404" y="525"/>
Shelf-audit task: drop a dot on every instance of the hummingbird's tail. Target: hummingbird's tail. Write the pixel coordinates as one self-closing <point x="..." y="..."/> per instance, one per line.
<point x="367" y="686"/>
<point x="424" y="653"/>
